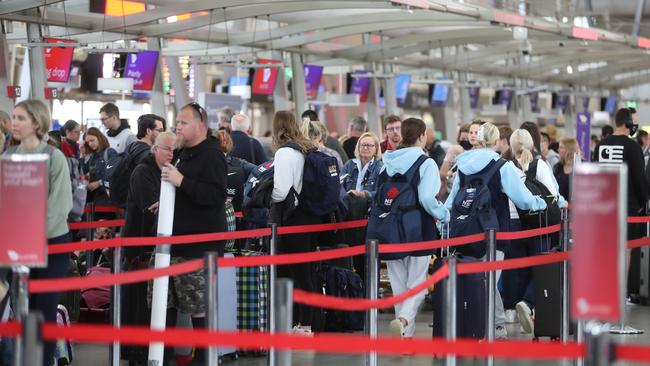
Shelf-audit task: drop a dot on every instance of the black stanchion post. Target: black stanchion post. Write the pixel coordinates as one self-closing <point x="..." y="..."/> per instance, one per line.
<point x="33" y="339"/>
<point x="90" y="254"/>
<point x="211" y="299"/>
<point x="21" y="308"/>
<point x="564" y="238"/>
<point x="450" y="307"/>
<point x="284" y="316"/>
<point x="372" y="287"/>
<point x="272" y="294"/>
<point x="491" y="238"/>
<point x="116" y="306"/>
<point x="599" y="345"/>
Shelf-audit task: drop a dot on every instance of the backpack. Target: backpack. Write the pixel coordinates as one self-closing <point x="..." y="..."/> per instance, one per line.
<point x="536" y="219"/>
<point x="396" y="215"/>
<point x="341" y="282"/>
<point x="118" y="172"/>
<point x="320" y="182"/>
<point x="472" y="211"/>
<point x="235" y="182"/>
<point x="77" y="181"/>
<point x="256" y="198"/>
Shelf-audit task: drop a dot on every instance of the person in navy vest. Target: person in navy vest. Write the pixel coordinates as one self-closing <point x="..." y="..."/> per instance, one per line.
<point x="506" y="183"/>
<point x="411" y="269"/>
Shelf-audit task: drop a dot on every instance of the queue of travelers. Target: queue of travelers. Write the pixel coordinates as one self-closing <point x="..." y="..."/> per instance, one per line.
<point x="409" y="185"/>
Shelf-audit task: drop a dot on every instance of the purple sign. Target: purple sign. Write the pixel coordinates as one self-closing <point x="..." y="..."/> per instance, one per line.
<point x="583" y="133"/>
<point x="562" y="101"/>
<point x="360" y="86"/>
<point x="402" y="82"/>
<point x="474" y="92"/>
<point x="534" y="102"/>
<point x="506" y="97"/>
<point x="313" y="74"/>
<point x="141" y="67"/>
<point x="585" y="103"/>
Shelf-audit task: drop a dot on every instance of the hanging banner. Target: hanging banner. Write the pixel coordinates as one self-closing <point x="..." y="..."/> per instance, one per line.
<point x="58" y="60"/>
<point x="264" y="80"/>
<point x="313" y="75"/>
<point x="599" y="205"/>
<point x="583" y="134"/>
<point x="23" y="217"/>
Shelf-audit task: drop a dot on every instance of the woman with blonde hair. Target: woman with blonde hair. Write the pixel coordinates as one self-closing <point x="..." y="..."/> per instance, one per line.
<point x="314" y="130"/>
<point x="506" y="183"/>
<point x="563" y="170"/>
<point x="30" y="123"/>
<point x="288" y="168"/>
<point x="518" y="290"/>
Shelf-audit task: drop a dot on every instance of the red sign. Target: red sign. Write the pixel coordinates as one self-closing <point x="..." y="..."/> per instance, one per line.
<point x="58" y="60"/>
<point x="23" y="218"/>
<point x="509" y="18"/>
<point x="599" y="233"/>
<point x="51" y="93"/>
<point x="13" y="91"/>
<point x="584" y="33"/>
<point x="264" y="81"/>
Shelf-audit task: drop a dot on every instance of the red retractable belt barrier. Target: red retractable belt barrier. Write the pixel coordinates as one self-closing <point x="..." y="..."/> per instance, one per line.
<point x="329" y="343"/>
<point x="514" y="235"/>
<point x="638" y="219"/>
<point x="638" y="243"/>
<point x="10" y="329"/>
<point x="423" y="245"/>
<point x="95" y="224"/>
<point x="341" y="303"/>
<point x="632" y="353"/>
<point x="538" y="260"/>
<point x="322" y="227"/>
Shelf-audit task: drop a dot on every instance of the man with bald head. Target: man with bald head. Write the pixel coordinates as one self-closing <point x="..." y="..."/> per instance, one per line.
<point x="199" y="174"/>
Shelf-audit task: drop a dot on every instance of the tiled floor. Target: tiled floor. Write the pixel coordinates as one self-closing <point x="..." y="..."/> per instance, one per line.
<point x="639" y="317"/>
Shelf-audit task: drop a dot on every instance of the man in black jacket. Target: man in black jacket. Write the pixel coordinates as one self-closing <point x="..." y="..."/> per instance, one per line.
<point x="141" y="213"/>
<point x="199" y="174"/>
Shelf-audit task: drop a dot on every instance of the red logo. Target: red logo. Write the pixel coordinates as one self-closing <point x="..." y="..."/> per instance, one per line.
<point x="392" y="193"/>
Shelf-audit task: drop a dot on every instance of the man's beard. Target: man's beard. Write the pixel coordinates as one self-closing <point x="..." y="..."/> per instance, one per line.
<point x="180" y="142"/>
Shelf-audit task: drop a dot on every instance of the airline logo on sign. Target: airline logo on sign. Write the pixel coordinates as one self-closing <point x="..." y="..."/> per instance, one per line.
<point x="610" y="154"/>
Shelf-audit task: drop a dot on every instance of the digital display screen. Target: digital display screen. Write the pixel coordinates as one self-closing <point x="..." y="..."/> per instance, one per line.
<point x="313" y="75"/>
<point x="141" y="67"/>
<point x="58" y="61"/>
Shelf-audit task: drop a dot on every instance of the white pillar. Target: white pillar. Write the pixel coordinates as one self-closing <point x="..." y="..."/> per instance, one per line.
<point x="157" y="91"/>
<point x="298" y="84"/>
<point x="6" y="103"/>
<point x="466" y="113"/>
<point x="390" y="97"/>
<point x="36" y="64"/>
<point x="182" y="96"/>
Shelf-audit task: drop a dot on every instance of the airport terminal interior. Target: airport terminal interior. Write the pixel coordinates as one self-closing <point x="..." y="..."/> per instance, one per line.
<point x="559" y="80"/>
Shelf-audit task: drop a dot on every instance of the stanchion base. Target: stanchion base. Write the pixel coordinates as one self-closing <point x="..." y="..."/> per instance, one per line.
<point x="625" y="330"/>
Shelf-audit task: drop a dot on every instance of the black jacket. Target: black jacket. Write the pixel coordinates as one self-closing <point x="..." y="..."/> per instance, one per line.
<point x="200" y="200"/>
<point x="144" y="191"/>
<point x="247" y="148"/>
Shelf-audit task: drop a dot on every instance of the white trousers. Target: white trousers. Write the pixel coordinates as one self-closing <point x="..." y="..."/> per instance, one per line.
<point x="405" y="274"/>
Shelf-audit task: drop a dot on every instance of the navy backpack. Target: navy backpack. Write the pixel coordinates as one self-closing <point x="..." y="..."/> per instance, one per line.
<point x="320" y="182"/>
<point x="396" y="215"/>
<point x="472" y="211"/>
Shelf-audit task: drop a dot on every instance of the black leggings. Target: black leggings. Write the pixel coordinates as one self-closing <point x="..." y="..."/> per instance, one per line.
<point x="304" y="275"/>
<point x="46" y="303"/>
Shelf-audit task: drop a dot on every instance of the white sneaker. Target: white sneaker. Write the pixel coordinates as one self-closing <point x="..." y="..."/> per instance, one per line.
<point x="500" y="332"/>
<point x="511" y="316"/>
<point x="525" y="316"/>
<point x="397" y="328"/>
<point x="303" y="331"/>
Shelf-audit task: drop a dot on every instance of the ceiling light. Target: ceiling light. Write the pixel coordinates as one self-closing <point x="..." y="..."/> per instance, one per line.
<point x="569" y="69"/>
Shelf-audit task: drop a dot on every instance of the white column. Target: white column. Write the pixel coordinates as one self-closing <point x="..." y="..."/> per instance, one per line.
<point x="37" y="72"/>
<point x="6" y="103"/>
<point x="182" y="96"/>
<point x="157" y="92"/>
<point x="298" y="84"/>
<point x="390" y="97"/>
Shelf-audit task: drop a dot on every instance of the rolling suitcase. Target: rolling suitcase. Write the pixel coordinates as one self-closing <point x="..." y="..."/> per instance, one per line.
<point x="471" y="306"/>
<point x="548" y="300"/>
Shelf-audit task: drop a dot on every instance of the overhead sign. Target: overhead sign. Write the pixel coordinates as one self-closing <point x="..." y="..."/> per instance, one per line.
<point x="58" y="60"/>
<point x="141" y="67"/>
<point x="23" y="217"/>
<point x="313" y="75"/>
<point x="583" y="133"/>
<point x="13" y="91"/>
<point x="264" y="81"/>
<point x="360" y="86"/>
<point x="599" y="204"/>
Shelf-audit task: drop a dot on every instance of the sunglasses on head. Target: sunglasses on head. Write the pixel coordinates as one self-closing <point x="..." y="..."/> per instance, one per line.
<point x="200" y="110"/>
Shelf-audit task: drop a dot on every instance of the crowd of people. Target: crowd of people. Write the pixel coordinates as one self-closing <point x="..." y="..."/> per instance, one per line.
<point x="371" y="175"/>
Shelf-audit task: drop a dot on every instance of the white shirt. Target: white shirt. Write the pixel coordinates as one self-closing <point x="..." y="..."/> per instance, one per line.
<point x="543" y="175"/>
<point x="288" y="168"/>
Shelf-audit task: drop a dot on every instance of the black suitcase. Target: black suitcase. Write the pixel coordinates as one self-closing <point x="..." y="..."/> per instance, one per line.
<point x="638" y="280"/>
<point x="471" y="306"/>
<point x="547" y="281"/>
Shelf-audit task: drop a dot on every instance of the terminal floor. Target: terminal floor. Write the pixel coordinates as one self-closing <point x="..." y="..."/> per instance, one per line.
<point x="639" y="317"/>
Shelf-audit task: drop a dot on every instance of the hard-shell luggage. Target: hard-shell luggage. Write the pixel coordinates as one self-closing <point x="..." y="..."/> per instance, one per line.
<point x="227" y="305"/>
<point x="471" y="306"/>
<point x="547" y="281"/>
